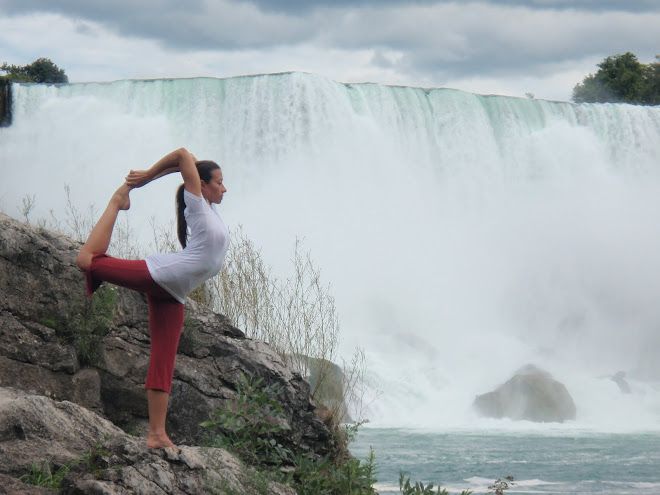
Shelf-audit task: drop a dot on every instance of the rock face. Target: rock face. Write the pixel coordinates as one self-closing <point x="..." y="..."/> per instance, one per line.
<point x="56" y="343"/>
<point x="531" y="395"/>
<point x="104" y="459"/>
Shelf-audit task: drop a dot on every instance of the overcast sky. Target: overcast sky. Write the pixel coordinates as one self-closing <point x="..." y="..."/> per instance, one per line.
<point x="509" y="47"/>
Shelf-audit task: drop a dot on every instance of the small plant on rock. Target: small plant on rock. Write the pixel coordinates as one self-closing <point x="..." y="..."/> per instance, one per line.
<point x="250" y="426"/>
<point x="44" y="476"/>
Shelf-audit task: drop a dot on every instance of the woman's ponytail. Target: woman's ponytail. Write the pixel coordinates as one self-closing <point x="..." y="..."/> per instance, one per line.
<point x="205" y="170"/>
<point x="181" y="225"/>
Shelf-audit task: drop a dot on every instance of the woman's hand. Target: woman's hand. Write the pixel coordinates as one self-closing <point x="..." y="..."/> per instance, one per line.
<point x="138" y="178"/>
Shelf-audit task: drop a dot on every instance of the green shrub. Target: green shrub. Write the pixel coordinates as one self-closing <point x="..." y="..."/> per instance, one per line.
<point x="250" y="426"/>
<point x="420" y="489"/>
<point x="43" y="475"/>
<point x="325" y="477"/>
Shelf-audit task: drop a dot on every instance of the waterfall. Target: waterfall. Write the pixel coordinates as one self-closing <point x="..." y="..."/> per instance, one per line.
<point x="464" y="235"/>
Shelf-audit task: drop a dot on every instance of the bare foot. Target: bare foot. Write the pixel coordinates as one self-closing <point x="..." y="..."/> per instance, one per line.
<point x="121" y="197"/>
<point x="159" y="441"/>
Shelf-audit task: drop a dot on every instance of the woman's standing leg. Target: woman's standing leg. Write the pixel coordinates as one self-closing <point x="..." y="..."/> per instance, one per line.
<point x="165" y="325"/>
<point x="99" y="238"/>
<point x="158" y="438"/>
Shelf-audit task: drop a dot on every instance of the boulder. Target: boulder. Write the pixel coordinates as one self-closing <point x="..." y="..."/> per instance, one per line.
<point x="530" y="395"/>
<point x="104" y="459"/>
<point x="620" y="379"/>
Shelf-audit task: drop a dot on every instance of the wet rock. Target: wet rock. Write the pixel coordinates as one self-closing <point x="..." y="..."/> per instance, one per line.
<point x="620" y="379"/>
<point x="531" y="395"/>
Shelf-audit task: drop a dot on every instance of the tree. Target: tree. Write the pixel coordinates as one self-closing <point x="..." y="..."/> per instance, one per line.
<point x="42" y="70"/>
<point x="653" y="77"/>
<point x="620" y="79"/>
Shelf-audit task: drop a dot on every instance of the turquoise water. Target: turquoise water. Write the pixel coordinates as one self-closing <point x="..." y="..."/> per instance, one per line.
<point x="548" y="463"/>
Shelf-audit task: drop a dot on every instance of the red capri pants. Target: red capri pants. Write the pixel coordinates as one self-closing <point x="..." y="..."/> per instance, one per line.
<point x="165" y="312"/>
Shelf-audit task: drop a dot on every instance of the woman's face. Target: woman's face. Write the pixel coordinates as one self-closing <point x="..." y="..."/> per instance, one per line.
<point x="214" y="189"/>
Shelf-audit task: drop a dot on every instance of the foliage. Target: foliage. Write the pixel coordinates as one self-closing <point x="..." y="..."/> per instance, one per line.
<point x="325" y="477"/>
<point x="420" y="489"/>
<point x="621" y="79"/>
<point x="44" y="476"/>
<point x="93" y="457"/>
<point x="250" y="426"/>
<point x="27" y="205"/>
<point x="85" y="323"/>
<point x="42" y="70"/>
<point x="500" y="485"/>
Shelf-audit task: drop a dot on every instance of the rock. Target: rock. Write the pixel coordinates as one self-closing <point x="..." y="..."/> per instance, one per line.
<point x="34" y="428"/>
<point x="12" y="486"/>
<point x="620" y="379"/>
<point x="531" y="395"/>
<point x="56" y="343"/>
<point x="104" y="459"/>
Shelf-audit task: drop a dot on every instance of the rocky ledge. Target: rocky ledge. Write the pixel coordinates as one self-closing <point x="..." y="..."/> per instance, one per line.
<point x="84" y="361"/>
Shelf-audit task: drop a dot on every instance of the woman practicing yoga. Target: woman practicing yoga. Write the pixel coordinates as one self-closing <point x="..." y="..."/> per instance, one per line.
<point x="165" y="278"/>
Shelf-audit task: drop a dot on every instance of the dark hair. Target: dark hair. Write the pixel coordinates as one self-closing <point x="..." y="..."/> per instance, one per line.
<point x="205" y="169"/>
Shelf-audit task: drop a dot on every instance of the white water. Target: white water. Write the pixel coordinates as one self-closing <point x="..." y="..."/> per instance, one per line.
<point x="464" y="235"/>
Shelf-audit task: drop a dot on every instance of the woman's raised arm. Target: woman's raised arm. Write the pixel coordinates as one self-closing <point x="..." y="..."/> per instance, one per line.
<point x="177" y="161"/>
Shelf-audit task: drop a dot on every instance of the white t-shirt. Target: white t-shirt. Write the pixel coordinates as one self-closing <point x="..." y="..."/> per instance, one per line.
<point x="180" y="273"/>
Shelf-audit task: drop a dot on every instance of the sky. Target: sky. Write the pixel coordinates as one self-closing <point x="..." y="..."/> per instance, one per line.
<point x="507" y="47"/>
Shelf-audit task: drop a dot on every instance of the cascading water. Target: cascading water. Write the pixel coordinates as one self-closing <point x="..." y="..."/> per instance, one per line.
<point x="464" y="235"/>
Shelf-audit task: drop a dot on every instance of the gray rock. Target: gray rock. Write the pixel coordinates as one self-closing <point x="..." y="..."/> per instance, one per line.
<point x="12" y="486"/>
<point x="104" y="459"/>
<point x="620" y="379"/>
<point x="34" y="428"/>
<point x="531" y="395"/>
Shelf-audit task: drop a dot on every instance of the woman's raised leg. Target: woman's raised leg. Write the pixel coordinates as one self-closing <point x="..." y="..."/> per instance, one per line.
<point x="99" y="238"/>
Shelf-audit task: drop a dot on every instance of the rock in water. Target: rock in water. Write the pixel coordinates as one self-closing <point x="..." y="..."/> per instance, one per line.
<point x="531" y="395"/>
<point x="620" y="379"/>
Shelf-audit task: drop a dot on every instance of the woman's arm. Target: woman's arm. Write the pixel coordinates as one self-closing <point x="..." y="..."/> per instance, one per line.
<point x="177" y="161"/>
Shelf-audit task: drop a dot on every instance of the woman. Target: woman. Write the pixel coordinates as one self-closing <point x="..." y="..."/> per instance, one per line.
<point x="166" y="278"/>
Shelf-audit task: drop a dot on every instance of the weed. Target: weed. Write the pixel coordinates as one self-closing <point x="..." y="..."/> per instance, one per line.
<point x="250" y="426"/>
<point x="93" y="458"/>
<point x="420" y="489"/>
<point x="91" y="324"/>
<point x="44" y="476"/>
<point x="27" y="206"/>
<point x="325" y="477"/>
<point x="136" y="431"/>
<point x="85" y="323"/>
<point x="500" y="486"/>
<point x="190" y="336"/>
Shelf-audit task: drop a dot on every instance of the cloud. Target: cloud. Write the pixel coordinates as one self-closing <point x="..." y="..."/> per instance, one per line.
<point x="424" y="42"/>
